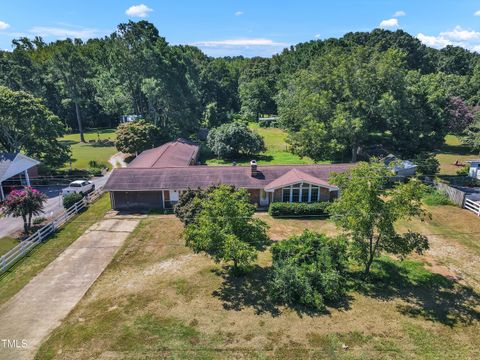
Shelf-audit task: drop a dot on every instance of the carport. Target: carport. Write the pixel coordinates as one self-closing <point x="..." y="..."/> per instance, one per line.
<point x="15" y="169"/>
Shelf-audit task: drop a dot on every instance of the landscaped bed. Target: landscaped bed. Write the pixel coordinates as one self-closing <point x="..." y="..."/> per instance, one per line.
<point x="157" y="299"/>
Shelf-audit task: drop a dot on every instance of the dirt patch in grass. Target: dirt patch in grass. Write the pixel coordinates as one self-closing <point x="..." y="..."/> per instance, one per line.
<point x="158" y="300"/>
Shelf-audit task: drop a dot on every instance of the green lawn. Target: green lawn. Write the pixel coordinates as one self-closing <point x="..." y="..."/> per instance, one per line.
<point x="277" y="150"/>
<point x="6" y="243"/>
<point x="159" y="300"/>
<point x="21" y="273"/>
<point x="452" y="151"/>
<point x="83" y="153"/>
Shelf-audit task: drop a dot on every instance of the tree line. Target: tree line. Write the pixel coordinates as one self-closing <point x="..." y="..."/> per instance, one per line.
<point x="335" y="97"/>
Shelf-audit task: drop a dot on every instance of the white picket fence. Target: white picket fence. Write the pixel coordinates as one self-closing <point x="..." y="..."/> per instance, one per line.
<point x="13" y="255"/>
<point x="473" y="206"/>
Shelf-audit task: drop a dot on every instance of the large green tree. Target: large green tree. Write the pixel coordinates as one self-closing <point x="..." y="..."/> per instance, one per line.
<point x="369" y="208"/>
<point x="137" y="136"/>
<point x="225" y="228"/>
<point x="27" y="125"/>
<point x="72" y="72"/>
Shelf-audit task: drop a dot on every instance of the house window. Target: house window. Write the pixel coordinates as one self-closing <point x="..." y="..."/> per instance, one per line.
<point x="305" y="193"/>
<point x="315" y="194"/>
<point x="295" y="194"/>
<point x="286" y="194"/>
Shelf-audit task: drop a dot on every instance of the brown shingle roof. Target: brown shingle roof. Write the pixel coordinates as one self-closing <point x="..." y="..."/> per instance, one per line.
<point x="176" y="153"/>
<point x="177" y="178"/>
<point x="295" y="176"/>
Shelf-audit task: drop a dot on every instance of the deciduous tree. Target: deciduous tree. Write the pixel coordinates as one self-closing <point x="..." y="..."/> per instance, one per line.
<point x="225" y="228"/>
<point x="368" y="210"/>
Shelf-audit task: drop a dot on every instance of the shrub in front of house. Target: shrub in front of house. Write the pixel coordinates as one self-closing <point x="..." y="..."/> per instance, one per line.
<point x="70" y="199"/>
<point x="281" y="209"/>
<point x="309" y="270"/>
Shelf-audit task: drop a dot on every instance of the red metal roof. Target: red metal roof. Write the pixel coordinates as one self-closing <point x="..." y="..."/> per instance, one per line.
<point x="178" y="178"/>
<point x="175" y="153"/>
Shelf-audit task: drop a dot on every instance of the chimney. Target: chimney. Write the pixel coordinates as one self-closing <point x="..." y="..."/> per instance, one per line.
<point x="253" y="168"/>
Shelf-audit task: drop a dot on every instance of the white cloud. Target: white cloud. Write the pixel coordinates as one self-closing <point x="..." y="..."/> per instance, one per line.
<point x="433" y="41"/>
<point x="82" y="33"/>
<point x="477" y="13"/>
<point x="141" y="10"/>
<point x="459" y="36"/>
<point x="4" y="25"/>
<point x="389" y="23"/>
<point x="318" y="36"/>
<point x="399" y="13"/>
<point x="240" y="42"/>
<point x="239" y="13"/>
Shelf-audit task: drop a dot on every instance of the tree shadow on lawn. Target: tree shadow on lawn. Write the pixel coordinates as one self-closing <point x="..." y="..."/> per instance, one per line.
<point x="455" y="150"/>
<point x="426" y="294"/>
<point x="251" y="290"/>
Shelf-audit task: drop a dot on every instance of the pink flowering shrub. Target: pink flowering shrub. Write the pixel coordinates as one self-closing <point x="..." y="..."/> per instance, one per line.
<point x="24" y="203"/>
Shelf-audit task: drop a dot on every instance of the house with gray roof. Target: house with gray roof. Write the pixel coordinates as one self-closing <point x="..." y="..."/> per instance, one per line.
<point x="157" y="177"/>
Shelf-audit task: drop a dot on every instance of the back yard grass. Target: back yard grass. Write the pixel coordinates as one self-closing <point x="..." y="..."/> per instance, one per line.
<point x="277" y="150"/>
<point x="159" y="300"/>
<point x="452" y="151"/>
<point x="20" y="274"/>
<point x="82" y="154"/>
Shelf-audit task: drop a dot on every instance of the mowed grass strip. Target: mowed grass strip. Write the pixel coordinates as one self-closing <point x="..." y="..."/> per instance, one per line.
<point x="7" y="243"/>
<point x="158" y="300"/>
<point x="21" y="273"/>
<point x="83" y="153"/>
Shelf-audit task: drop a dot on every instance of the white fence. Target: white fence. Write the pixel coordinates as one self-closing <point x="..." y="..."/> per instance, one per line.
<point x="472" y="206"/>
<point x="22" y="249"/>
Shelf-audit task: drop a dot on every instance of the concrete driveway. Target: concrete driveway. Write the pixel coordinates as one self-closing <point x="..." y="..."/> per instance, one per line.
<point x="29" y="317"/>
<point x="53" y="206"/>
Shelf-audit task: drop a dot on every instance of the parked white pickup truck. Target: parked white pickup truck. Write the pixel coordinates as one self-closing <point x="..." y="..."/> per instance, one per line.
<point x="79" y="187"/>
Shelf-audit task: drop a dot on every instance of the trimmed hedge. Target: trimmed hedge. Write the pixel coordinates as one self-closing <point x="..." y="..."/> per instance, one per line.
<point x="297" y="209"/>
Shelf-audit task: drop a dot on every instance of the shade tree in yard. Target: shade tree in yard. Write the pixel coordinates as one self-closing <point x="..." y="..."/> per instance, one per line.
<point x="369" y="208"/>
<point x="225" y="228"/>
<point x="234" y="139"/>
<point x="137" y="136"/>
<point x="25" y="204"/>
<point x="28" y="126"/>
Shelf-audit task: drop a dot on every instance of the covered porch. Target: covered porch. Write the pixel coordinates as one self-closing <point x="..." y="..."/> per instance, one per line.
<point x="15" y="170"/>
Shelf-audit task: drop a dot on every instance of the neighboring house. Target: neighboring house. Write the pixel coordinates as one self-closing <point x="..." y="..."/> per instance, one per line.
<point x="400" y="168"/>
<point x="157" y="177"/>
<point x="15" y="170"/>
<point x="474" y="170"/>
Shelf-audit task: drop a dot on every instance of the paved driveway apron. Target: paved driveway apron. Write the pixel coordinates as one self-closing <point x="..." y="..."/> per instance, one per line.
<point x="41" y="305"/>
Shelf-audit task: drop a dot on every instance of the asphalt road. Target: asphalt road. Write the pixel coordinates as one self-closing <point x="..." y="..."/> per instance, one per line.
<point x="53" y="206"/>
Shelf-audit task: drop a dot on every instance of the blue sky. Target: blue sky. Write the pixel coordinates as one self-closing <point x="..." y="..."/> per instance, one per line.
<point x="244" y="27"/>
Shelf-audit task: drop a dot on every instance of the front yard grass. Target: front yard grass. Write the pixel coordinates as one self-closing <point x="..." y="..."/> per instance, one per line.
<point x="21" y="273"/>
<point x="7" y="243"/>
<point x="159" y="300"/>
<point x="82" y="154"/>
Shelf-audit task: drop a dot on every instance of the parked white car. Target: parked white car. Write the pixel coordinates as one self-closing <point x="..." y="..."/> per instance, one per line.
<point x="79" y="187"/>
